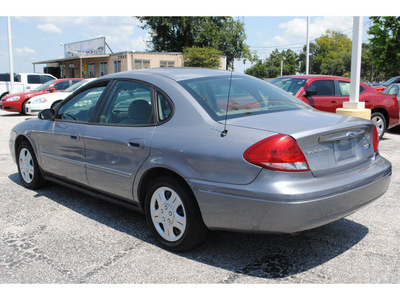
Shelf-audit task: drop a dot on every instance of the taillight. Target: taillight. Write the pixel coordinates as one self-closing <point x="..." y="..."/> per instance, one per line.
<point x="277" y="152"/>
<point x="376" y="139"/>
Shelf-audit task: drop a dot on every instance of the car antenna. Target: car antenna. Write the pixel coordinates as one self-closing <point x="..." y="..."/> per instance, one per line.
<point x="225" y="131"/>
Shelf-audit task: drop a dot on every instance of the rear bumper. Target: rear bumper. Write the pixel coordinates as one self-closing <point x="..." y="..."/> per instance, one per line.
<point x="287" y="203"/>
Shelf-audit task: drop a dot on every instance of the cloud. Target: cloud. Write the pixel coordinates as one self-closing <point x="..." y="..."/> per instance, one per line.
<point x="295" y="30"/>
<point x="25" y="51"/>
<point x="49" y="28"/>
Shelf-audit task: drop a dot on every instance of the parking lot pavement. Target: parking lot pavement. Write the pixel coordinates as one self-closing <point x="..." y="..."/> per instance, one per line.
<point x="55" y="235"/>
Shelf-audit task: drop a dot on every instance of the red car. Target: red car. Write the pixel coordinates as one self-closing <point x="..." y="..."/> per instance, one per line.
<point x="327" y="93"/>
<point x="16" y="102"/>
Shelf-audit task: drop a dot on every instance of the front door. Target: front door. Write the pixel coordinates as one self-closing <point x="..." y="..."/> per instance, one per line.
<point x="62" y="149"/>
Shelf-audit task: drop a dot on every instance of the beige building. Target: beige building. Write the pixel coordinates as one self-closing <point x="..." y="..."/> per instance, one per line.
<point x="103" y="64"/>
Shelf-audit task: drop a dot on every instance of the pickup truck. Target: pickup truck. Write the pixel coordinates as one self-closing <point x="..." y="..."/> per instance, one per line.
<point x="23" y="82"/>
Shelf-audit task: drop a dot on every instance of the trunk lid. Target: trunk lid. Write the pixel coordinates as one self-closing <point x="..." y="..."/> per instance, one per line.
<point x="330" y="142"/>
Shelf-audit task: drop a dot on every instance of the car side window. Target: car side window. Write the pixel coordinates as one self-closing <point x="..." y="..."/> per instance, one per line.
<point x="129" y="103"/>
<point x="164" y="108"/>
<point x="344" y="88"/>
<point x="34" y="79"/>
<point x="62" y="85"/>
<point x="45" y="78"/>
<point x="394" y="90"/>
<point x="323" y="87"/>
<point x="80" y="107"/>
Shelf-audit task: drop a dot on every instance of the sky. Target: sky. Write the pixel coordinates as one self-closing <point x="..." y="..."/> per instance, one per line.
<point x="40" y="35"/>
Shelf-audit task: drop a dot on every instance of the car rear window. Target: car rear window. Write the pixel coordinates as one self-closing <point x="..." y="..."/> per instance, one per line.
<point x="247" y="96"/>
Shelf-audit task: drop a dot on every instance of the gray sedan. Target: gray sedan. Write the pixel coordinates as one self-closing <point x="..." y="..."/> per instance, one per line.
<point x="198" y="149"/>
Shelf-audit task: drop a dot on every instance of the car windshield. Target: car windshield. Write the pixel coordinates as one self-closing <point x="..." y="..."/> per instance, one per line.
<point x="247" y="96"/>
<point x="390" y="81"/>
<point x="290" y="85"/>
<point x="43" y="86"/>
<point x="75" y="86"/>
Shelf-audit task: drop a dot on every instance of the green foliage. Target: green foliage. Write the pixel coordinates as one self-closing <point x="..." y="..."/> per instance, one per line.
<point x="201" y="57"/>
<point x="385" y="44"/>
<point x="174" y="34"/>
<point x="272" y="65"/>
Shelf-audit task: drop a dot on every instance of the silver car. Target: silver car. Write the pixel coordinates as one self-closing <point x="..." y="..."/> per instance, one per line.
<point x="198" y="149"/>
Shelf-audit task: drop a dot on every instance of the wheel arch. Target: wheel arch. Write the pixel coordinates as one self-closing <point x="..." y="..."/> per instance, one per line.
<point x="18" y="141"/>
<point x="4" y="94"/>
<point x="384" y="112"/>
<point x="154" y="173"/>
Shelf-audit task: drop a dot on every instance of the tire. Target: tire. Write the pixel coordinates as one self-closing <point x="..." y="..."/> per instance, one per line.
<point x="173" y="215"/>
<point x="23" y="112"/>
<point x="380" y="123"/>
<point x="28" y="168"/>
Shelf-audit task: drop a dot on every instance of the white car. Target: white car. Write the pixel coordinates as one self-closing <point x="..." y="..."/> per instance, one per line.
<point x="50" y="100"/>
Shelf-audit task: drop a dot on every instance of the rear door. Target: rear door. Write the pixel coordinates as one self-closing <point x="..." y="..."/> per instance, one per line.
<point x="120" y="141"/>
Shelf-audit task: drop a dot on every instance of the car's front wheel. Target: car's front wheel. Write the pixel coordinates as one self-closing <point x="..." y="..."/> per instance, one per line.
<point x="28" y="167"/>
<point x="173" y="215"/>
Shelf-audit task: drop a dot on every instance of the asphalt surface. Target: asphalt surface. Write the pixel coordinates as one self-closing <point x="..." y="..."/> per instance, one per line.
<point x="56" y="235"/>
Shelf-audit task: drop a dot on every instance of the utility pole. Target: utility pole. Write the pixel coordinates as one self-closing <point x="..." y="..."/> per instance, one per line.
<point x="308" y="47"/>
<point x="10" y="56"/>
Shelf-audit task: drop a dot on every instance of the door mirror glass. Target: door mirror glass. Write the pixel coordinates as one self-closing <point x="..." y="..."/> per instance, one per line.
<point x="47" y="114"/>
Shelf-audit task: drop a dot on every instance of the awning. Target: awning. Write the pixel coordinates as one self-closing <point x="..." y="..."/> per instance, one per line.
<point x="60" y="60"/>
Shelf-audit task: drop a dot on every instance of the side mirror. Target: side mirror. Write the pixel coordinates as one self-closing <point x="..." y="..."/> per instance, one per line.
<point x="311" y="91"/>
<point x="52" y="89"/>
<point x="47" y="114"/>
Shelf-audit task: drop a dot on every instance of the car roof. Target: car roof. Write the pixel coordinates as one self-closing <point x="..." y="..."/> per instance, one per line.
<point x="315" y="76"/>
<point x="176" y="74"/>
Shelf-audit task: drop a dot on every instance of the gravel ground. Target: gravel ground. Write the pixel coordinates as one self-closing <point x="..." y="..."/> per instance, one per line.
<point x="56" y="235"/>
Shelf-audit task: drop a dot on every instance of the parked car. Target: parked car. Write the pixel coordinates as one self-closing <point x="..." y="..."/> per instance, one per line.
<point x="381" y="86"/>
<point x="327" y="93"/>
<point x="50" y="100"/>
<point x="199" y="149"/>
<point x="393" y="89"/>
<point x="17" y="102"/>
<point x="23" y="82"/>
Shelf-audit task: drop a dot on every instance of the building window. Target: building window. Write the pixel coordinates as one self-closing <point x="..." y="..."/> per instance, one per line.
<point x="141" y="64"/>
<point x="71" y="71"/>
<point x="103" y="68"/>
<point x="167" y="64"/>
<point x="117" y="66"/>
<point x="91" y="70"/>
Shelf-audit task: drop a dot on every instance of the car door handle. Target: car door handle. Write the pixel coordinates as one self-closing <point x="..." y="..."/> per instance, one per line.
<point x="74" y="137"/>
<point x="136" y="144"/>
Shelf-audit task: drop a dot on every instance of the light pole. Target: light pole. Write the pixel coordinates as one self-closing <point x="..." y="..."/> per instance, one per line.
<point x="308" y="47"/>
<point x="10" y="56"/>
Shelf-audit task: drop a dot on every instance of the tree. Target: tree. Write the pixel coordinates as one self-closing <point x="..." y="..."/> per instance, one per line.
<point x="314" y="68"/>
<point x="201" y="57"/>
<point x="173" y="34"/>
<point x="385" y="44"/>
<point x="272" y="65"/>
<point x="329" y="55"/>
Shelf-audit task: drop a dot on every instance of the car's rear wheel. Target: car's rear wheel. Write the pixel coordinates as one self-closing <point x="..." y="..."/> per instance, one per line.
<point x="28" y="168"/>
<point x="380" y="123"/>
<point x="173" y="215"/>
